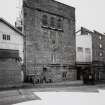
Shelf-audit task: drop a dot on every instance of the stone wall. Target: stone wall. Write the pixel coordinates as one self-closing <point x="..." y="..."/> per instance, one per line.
<point x="10" y="73"/>
<point x="47" y="45"/>
<point x="96" y="41"/>
<point x="98" y="53"/>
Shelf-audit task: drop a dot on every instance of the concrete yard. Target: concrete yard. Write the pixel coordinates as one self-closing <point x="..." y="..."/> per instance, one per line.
<point x="75" y="95"/>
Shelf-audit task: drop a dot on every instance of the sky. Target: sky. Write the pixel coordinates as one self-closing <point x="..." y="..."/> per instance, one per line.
<point x="89" y="13"/>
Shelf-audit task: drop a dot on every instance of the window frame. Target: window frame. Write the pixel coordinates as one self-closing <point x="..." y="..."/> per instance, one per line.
<point x="45" y="20"/>
<point x="6" y="37"/>
<point x="79" y="49"/>
<point x="100" y="54"/>
<point x="87" y="50"/>
<point x="100" y="37"/>
<point x="100" y="45"/>
<point x="59" y="24"/>
<point x="52" y="22"/>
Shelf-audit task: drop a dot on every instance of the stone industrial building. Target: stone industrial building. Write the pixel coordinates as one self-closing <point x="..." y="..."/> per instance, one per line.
<point x="11" y="55"/>
<point x="90" y="53"/>
<point x="49" y="27"/>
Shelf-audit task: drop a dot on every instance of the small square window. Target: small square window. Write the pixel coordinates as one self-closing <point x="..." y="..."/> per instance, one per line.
<point x="88" y="50"/>
<point x="80" y="49"/>
<point x="4" y="36"/>
<point x="100" y="45"/>
<point x="100" y="37"/>
<point x="101" y="54"/>
<point x="8" y="37"/>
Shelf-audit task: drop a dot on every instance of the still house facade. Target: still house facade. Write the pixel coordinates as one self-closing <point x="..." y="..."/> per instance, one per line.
<point x="49" y="40"/>
<point x="11" y="54"/>
<point x="90" y="53"/>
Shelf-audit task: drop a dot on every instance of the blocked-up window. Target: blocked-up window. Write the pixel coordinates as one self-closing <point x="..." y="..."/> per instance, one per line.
<point x="100" y="45"/>
<point x="53" y="38"/>
<point x="52" y="22"/>
<point x="59" y="24"/>
<point x="45" y="20"/>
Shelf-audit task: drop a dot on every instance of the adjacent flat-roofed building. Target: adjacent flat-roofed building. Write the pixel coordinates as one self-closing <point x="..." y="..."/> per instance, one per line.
<point x="49" y="27"/>
<point x="84" y="48"/>
<point x="90" y="52"/>
<point x="11" y="54"/>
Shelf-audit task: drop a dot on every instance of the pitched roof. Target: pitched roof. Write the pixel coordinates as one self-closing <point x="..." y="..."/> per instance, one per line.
<point x="11" y="26"/>
<point x="96" y="32"/>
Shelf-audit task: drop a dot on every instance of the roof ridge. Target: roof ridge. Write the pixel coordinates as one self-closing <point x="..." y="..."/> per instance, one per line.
<point x="11" y="26"/>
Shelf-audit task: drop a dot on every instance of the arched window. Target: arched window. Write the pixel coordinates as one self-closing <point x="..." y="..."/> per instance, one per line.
<point x="45" y="20"/>
<point x="59" y="24"/>
<point x="52" y="22"/>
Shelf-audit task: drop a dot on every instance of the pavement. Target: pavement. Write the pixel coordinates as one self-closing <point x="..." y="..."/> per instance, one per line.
<point x="56" y="84"/>
<point x="55" y="95"/>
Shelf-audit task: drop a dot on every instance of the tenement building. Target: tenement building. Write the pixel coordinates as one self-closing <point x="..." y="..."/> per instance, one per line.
<point x="90" y="53"/>
<point x="11" y="55"/>
<point x="49" y="27"/>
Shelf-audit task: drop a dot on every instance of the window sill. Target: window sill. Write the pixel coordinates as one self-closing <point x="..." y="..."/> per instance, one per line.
<point x="51" y="28"/>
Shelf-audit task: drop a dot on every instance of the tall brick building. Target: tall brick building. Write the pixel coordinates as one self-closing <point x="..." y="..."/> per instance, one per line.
<point x="49" y="27"/>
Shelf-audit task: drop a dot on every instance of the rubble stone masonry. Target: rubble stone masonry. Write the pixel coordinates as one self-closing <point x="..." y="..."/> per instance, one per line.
<point x="10" y="73"/>
<point x="49" y="27"/>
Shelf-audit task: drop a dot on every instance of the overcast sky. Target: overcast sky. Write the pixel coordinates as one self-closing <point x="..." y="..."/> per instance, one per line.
<point x="89" y="13"/>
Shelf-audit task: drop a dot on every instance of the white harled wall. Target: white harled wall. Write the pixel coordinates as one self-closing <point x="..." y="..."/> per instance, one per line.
<point x="84" y="42"/>
<point x="15" y="42"/>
